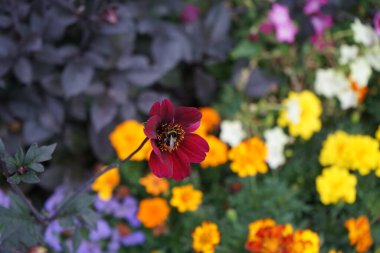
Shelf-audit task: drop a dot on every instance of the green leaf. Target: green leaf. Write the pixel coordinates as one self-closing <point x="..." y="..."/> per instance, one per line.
<point x="77" y="238"/>
<point x="90" y="217"/>
<point x="15" y="179"/>
<point x="30" y="177"/>
<point x="76" y="205"/>
<point x="37" y="154"/>
<point x="246" y="49"/>
<point x="12" y="164"/>
<point x="37" y="167"/>
<point x="19" y="156"/>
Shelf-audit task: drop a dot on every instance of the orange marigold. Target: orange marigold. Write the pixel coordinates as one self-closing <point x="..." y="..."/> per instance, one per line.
<point x="153" y="212"/>
<point x="305" y="241"/>
<point x="248" y="158"/>
<point x="217" y="154"/>
<point x="154" y="185"/>
<point x="126" y="137"/>
<point x="265" y="236"/>
<point x="210" y="120"/>
<point x="359" y="233"/>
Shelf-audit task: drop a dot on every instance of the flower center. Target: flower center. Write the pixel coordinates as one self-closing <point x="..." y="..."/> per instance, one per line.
<point x="169" y="136"/>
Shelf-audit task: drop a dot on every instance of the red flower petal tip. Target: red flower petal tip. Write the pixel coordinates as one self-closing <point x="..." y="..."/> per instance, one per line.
<point x="174" y="145"/>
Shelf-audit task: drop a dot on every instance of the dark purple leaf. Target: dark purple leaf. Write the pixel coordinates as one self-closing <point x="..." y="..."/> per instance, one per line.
<point x="205" y="86"/>
<point x="23" y="70"/>
<point x="51" y="83"/>
<point x="260" y="84"/>
<point x="96" y="60"/>
<point x="33" y="43"/>
<point x="34" y="132"/>
<point x="146" y="76"/>
<point x="68" y="51"/>
<point x="5" y="65"/>
<point x="100" y="143"/>
<point x="119" y="88"/>
<point x="48" y="54"/>
<point x="102" y="113"/>
<point x="76" y="77"/>
<point x="7" y="48"/>
<point x="97" y="89"/>
<point x="22" y="109"/>
<point x="128" y="111"/>
<point x="166" y="52"/>
<point x="5" y="21"/>
<point x="52" y="115"/>
<point x="146" y="100"/>
<point x="127" y="61"/>
<point x="77" y="108"/>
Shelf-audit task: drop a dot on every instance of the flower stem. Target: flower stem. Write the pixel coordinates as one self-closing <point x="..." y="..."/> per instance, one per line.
<point x="94" y="177"/>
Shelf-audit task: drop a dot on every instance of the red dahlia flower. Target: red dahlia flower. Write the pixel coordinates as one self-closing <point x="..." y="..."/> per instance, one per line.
<point x="174" y="145"/>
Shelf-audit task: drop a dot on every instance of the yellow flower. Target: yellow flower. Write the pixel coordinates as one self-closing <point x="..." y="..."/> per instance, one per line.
<point x="154" y="185"/>
<point x="359" y="233"/>
<point x="363" y="153"/>
<point x="210" y="120"/>
<point x="206" y="237"/>
<point x="305" y="241"/>
<point x="248" y="158"/>
<point x="377" y="134"/>
<point x="301" y="114"/>
<point x="126" y="137"/>
<point x="336" y="184"/>
<point x="106" y="183"/>
<point x="334" y="251"/>
<point x="335" y="150"/>
<point x="186" y="198"/>
<point x="217" y="154"/>
<point x="255" y="226"/>
<point x="153" y="212"/>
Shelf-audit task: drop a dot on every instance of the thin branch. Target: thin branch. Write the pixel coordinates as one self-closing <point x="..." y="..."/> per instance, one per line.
<point x="93" y="178"/>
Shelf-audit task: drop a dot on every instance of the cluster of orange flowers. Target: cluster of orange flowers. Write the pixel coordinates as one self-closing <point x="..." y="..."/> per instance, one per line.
<point x="265" y="236"/>
<point x="359" y="233"/>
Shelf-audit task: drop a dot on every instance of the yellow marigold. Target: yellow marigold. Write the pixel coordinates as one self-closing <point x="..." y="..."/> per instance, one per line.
<point x="377" y="134"/>
<point x="359" y="233"/>
<point x="265" y="236"/>
<point x="106" y="183"/>
<point x="335" y="150"/>
<point x="186" y="198"/>
<point x="301" y="114"/>
<point x="153" y="212"/>
<point x="210" y="120"/>
<point x="217" y="154"/>
<point x="335" y="251"/>
<point x="248" y="158"/>
<point x="363" y="153"/>
<point x="206" y="237"/>
<point x="154" y="185"/>
<point x="126" y="137"/>
<point x="336" y="184"/>
<point x="305" y="241"/>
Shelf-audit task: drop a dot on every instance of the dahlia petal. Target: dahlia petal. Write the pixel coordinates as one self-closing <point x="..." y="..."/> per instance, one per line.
<point x="195" y="147"/>
<point x="192" y="128"/>
<point x="155" y="109"/>
<point x="151" y="126"/>
<point x="155" y="148"/>
<point x="161" y="166"/>
<point x="181" y="165"/>
<point x="187" y="116"/>
<point x="167" y="111"/>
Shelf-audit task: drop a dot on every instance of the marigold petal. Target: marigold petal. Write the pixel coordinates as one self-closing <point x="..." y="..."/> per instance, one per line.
<point x="187" y="116"/>
<point x="162" y="166"/>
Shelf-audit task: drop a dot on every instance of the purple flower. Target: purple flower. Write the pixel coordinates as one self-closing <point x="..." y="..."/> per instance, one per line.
<point x="286" y="32"/>
<point x="313" y="6"/>
<point x="321" y="22"/>
<point x="190" y="13"/>
<point x="87" y="246"/>
<point x="127" y="209"/>
<point x="56" y="199"/>
<point x="279" y="14"/>
<point x="52" y="235"/>
<point x="5" y="201"/>
<point x="134" y="238"/>
<point x="102" y="231"/>
<point x="106" y="207"/>
<point x="376" y="21"/>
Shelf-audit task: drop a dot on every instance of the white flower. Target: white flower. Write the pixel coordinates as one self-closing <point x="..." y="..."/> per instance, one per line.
<point x="360" y="72"/>
<point x="293" y="110"/>
<point x="275" y="137"/>
<point x="372" y="55"/>
<point x="347" y="53"/>
<point x="363" y="33"/>
<point x="275" y="141"/>
<point x="330" y="83"/>
<point x="232" y="132"/>
<point x="348" y="99"/>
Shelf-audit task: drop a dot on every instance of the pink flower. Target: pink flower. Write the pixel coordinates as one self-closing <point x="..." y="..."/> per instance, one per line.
<point x="279" y="14"/>
<point x="174" y="145"/>
<point x="266" y="27"/>
<point x="321" y="22"/>
<point x="109" y="15"/>
<point x="190" y="13"/>
<point x="376" y="21"/>
<point x="313" y="6"/>
<point x="286" y="32"/>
